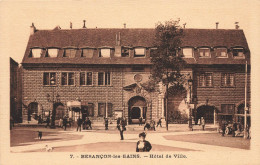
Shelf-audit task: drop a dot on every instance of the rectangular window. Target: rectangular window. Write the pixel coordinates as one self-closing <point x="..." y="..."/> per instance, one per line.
<point x="67" y="78"/>
<point x="90" y="109"/>
<point x="139" y="52"/>
<point x="104" y="78"/>
<point x="228" y="108"/>
<point x="102" y="109"/>
<point x="49" y="78"/>
<point x="221" y="52"/>
<point x="53" y="52"/>
<point x="205" y="80"/>
<point x="125" y="52"/>
<point x="71" y="53"/>
<point x="36" y="53"/>
<point x="105" y="53"/>
<point x="187" y="52"/>
<point x="238" y="53"/>
<point x="86" y="78"/>
<point x="88" y="53"/>
<point x="227" y="80"/>
<point x="204" y="52"/>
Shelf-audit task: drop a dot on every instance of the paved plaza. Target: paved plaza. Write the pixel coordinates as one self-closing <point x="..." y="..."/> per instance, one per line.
<point x="178" y="138"/>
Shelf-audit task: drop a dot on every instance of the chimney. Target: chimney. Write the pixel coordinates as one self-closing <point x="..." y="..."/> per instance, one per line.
<point x="236" y="23"/>
<point x="217" y="25"/>
<point x="70" y="25"/>
<point x="124" y="25"/>
<point x="32" y="29"/>
<point x="184" y="25"/>
<point x="84" y="24"/>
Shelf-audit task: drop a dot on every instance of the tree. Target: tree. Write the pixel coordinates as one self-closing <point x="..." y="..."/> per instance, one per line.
<point x="167" y="60"/>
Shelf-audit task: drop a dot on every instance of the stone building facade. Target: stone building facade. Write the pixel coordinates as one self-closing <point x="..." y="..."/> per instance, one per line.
<point x="107" y="71"/>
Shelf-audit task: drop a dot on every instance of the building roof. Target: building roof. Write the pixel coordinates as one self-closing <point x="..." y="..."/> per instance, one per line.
<point x="97" y="38"/>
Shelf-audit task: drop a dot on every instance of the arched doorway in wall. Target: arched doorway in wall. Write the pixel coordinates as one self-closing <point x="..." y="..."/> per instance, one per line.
<point x="33" y="111"/>
<point x="137" y="107"/>
<point x="60" y="110"/>
<point x="207" y="112"/>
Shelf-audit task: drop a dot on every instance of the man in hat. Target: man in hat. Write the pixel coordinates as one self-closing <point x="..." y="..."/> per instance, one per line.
<point x="106" y="123"/>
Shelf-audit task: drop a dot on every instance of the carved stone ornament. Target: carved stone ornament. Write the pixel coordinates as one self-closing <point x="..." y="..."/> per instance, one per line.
<point x="138" y="78"/>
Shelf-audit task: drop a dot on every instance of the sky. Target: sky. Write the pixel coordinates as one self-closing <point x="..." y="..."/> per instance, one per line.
<point x="17" y="16"/>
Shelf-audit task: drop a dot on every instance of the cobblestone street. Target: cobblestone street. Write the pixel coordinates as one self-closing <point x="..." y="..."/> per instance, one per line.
<point x="25" y="139"/>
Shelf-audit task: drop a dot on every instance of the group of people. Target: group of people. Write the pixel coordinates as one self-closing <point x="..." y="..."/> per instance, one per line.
<point x="202" y="122"/>
<point x="151" y="124"/>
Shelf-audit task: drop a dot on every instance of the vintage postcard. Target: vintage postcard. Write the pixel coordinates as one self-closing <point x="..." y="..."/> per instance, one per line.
<point x="112" y="82"/>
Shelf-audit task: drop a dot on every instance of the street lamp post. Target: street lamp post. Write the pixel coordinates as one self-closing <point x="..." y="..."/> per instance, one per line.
<point x="166" y="103"/>
<point x="190" y="81"/>
<point x="53" y="100"/>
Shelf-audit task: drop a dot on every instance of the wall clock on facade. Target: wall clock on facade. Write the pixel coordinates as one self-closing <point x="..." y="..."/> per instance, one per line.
<point x="138" y="78"/>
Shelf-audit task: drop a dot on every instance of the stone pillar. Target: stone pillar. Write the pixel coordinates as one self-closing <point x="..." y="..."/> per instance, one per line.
<point x="162" y="108"/>
<point x="215" y="117"/>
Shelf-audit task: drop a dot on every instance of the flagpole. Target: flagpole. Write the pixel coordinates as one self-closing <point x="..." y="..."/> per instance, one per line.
<point x="245" y="108"/>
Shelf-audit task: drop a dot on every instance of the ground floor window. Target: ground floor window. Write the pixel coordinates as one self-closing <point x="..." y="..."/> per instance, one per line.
<point x="227" y="108"/>
<point x="88" y="110"/>
<point x="102" y="109"/>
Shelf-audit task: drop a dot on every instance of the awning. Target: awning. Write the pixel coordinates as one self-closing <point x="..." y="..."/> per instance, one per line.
<point x="74" y="104"/>
<point x="242" y="115"/>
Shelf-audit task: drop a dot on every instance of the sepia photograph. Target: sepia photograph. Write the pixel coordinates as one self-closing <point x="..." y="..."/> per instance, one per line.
<point x="166" y="82"/>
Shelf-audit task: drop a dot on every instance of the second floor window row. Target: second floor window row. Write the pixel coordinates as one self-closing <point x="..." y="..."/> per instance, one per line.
<point x="68" y="79"/>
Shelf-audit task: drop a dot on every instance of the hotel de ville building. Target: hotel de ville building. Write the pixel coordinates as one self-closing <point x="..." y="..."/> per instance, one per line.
<point x="104" y="72"/>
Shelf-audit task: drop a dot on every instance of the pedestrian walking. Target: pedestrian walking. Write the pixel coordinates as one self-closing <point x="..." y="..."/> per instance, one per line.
<point x="118" y="123"/>
<point x="122" y="128"/>
<point x="152" y="124"/>
<point x="199" y="123"/>
<point x="143" y="145"/>
<point x="140" y="120"/>
<point x="88" y="122"/>
<point x="146" y="125"/>
<point x="223" y="127"/>
<point x="203" y="123"/>
<point x="159" y="122"/>
<point x="65" y="120"/>
<point x="234" y="128"/>
<point x="47" y="122"/>
<point x="79" y="122"/>
<point x="39" y="120"/>
<point x="60" y="123"/>
<point x="106" y="123"/>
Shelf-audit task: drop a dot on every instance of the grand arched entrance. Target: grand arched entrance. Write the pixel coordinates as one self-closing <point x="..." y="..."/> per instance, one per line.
<point x="137" y="107"/>
<point x="33" y="111"/>
<point x="207" y="112"/>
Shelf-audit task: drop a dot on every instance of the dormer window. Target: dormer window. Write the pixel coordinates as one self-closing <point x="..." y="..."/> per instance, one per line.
<point x="221" y="52"/>
<point x="139" y="52"/>
<point x="105" y="52"/>
<point x="153" y="52"/>
<point x="36" y="52"/>
<point x="52" y="52"/>
<point x="204" y="52"/>
<point x="125" y="52"/>
<point x="238" y="53"/>
<point x="187" y="52"/>
<point x="71" y="53"/>
<point x="87" y="52"/>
